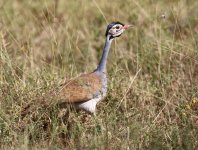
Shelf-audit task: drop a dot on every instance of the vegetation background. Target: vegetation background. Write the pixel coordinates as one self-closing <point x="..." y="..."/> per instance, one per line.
<point x="152" y="73"/>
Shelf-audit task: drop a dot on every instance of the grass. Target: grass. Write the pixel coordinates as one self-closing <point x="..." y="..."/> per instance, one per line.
<point x="152" y="74"/>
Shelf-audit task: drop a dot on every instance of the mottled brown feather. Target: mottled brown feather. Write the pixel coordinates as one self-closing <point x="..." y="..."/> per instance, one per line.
<point x="81" y="88"/>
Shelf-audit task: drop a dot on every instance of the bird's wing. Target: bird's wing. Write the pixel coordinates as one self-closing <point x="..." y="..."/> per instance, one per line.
<point x="82" y="88"/>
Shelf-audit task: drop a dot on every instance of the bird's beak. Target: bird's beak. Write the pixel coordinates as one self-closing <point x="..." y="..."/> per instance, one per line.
<point x="127" y="26"/>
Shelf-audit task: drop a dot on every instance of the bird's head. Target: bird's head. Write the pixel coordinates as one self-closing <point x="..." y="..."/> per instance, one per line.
<point x="115" y="29"/>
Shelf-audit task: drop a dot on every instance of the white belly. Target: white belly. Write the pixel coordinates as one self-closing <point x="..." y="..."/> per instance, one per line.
<point x="90" y="105"/>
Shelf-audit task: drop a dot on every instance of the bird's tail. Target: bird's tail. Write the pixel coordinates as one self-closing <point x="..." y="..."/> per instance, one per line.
<point x="39" y="103"/>
<point x="32" y="107"/>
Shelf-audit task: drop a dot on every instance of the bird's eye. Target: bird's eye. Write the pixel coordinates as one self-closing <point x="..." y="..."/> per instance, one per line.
<point x="117" y="27"/>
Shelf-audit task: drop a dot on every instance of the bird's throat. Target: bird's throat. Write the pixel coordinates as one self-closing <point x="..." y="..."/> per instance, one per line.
<point x="103" y="61"/>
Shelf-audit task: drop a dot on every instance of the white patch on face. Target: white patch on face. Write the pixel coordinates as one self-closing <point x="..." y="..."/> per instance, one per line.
<point x="116" y="30"/>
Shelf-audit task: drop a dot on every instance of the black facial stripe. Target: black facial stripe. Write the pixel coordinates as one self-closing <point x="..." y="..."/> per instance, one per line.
<point x="111" y="37"/>
<point x="117" y="22"/>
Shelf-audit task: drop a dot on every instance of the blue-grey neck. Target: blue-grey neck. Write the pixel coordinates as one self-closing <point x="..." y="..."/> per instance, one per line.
<point x="103" y="61"/>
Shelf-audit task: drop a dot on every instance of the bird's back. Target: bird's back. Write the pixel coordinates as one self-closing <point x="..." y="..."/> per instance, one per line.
<point x="82" y="88"/>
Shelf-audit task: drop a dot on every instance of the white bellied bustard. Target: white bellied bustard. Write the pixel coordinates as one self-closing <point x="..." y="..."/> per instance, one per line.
<point x="87" y="90"/>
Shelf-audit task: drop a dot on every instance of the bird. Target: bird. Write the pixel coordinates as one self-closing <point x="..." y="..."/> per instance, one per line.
<point x="86" y="90"/>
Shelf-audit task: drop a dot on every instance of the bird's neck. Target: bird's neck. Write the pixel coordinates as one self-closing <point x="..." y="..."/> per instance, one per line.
<point x="103" y="61"/>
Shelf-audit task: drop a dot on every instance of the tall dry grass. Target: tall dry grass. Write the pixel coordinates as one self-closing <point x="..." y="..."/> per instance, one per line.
<point x="152" y="73"/>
